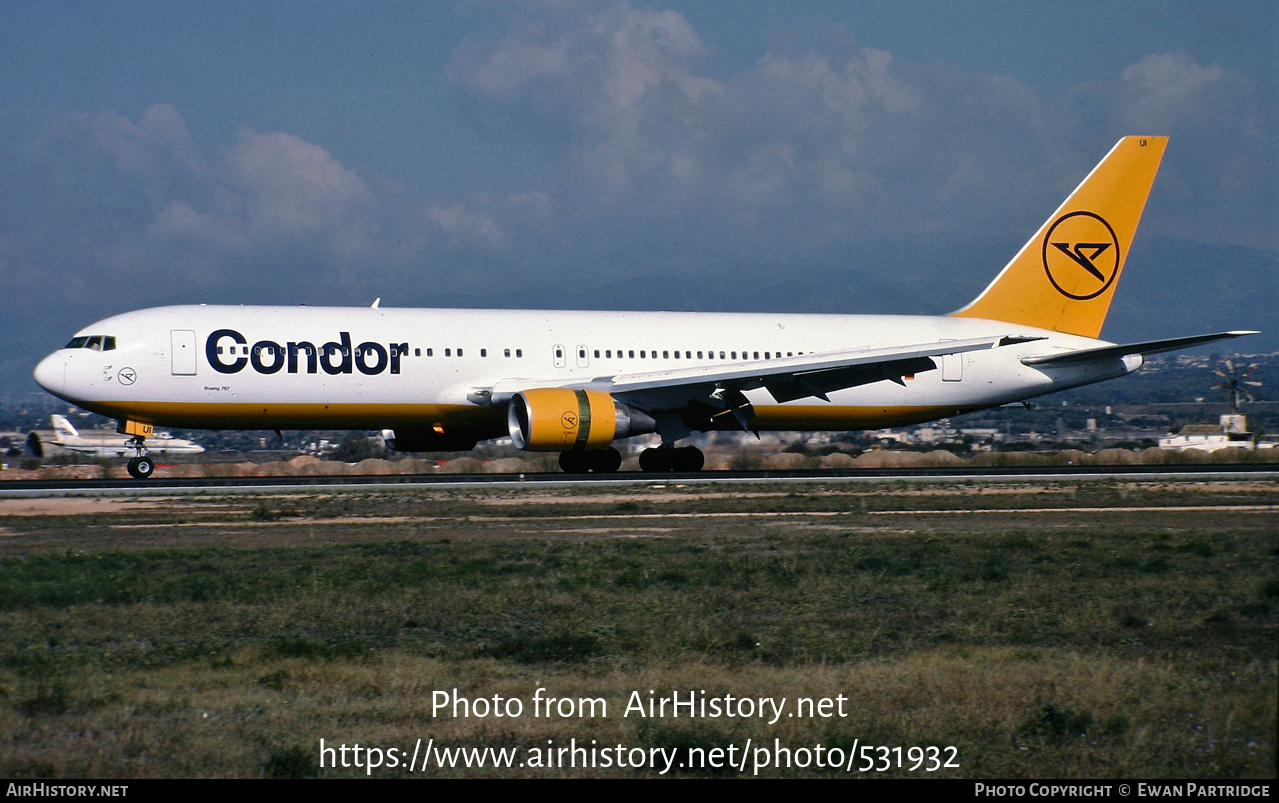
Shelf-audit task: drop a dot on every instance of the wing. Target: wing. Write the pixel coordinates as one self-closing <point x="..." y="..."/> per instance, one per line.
<point x="790" y="378"/>
<point x="708" y="391"/>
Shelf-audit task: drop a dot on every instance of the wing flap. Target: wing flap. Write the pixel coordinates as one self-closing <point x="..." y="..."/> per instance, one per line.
<point x="821" y="382"/>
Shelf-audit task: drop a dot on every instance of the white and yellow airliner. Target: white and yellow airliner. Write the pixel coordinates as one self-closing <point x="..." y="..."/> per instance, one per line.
<point x="575" y="382"/>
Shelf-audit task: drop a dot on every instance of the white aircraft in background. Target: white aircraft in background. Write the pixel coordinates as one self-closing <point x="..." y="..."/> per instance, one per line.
<point x="574" y="382"/>
<point x="98" y="443"/>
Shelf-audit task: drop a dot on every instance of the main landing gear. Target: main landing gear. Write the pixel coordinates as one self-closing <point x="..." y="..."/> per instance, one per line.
<point x="661" y="459"/>
<point x="601" y="461"/>
<point x="672" y="458"/>
<point x="142" y="466"/>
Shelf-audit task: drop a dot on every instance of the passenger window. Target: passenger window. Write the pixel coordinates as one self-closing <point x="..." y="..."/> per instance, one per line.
<point x="484" y="352"/>
<point x="506" y="353"/>
<point x="641" y="353"/>
<point x="519" y="352"/>
<point x="666" y="355"/>
<point x="459" y="352"/>
<point x="429" y="352"/>
<point x="448" y="352"/>
<point x="632" y="353"/>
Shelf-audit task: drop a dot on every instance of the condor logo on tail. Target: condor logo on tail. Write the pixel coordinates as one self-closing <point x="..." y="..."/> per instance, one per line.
<point x="1083" y="259"/>
<point x="1079" y="250"/>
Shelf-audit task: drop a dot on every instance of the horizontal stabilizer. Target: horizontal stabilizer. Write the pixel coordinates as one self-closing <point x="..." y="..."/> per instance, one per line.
<point x="1147" y="347"/>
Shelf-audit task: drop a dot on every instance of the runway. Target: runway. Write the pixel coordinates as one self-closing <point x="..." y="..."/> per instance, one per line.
<point x="958" y="596"/>
<point x="152" y="486"/>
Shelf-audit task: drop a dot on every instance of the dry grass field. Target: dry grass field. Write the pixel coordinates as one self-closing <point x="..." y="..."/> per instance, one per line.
<point x="1090" y="628"/>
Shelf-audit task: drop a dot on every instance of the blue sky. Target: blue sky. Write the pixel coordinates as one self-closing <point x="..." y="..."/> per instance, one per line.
<point x="490" y="152"/>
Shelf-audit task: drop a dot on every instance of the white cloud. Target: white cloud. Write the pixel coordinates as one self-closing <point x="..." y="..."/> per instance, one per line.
<point x="161" y="136"/>
<point x="178" y="221"/>
<point x="468" y="226"/>
<point x="1160" y="89"/>
<point x="483" y="219"/>
<point x="820" y="147"/>
<point x="650" y="157"/>
<point x="293" y="188"/>
<point x="616" y="84"/>
<point x="803" y="144"/>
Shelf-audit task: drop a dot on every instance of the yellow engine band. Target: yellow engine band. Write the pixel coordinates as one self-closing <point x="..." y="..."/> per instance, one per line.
<point x="560" y="419"/>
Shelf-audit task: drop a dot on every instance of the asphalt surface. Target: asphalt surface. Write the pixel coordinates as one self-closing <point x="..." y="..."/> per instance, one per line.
<point x="967" y="474"/>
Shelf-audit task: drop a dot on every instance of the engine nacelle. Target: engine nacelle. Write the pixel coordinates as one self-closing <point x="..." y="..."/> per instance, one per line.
<point x="562" y="420"/>
<point x="426" y="440"/>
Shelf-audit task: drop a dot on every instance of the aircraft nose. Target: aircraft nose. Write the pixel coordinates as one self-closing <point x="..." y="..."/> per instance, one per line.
<point x="51" y="374"/>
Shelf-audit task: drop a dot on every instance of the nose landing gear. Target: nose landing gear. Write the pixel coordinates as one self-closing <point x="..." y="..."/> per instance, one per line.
<point x="140" y="466"/>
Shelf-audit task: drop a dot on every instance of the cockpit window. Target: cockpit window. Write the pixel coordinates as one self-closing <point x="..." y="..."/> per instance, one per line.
<point x="95" y="342"/>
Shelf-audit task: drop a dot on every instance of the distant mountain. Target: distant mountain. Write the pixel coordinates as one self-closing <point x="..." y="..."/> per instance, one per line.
<point x="1169" y="287"/>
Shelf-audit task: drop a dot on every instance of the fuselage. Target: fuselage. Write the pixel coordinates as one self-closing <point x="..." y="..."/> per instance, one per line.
<point x="258" y="367"/>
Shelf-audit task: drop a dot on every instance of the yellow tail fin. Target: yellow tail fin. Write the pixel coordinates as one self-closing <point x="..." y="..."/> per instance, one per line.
<point x="1064" y="278"/>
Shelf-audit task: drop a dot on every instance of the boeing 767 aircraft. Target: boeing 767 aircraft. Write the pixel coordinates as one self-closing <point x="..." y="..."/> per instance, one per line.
<point x="574" y="382"/>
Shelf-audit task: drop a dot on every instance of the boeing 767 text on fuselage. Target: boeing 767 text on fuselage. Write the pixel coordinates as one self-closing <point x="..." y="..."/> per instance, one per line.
<point x="575" y="382"/>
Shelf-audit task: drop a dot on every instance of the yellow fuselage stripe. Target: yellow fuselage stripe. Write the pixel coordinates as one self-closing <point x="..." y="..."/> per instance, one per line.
<point x="238" y="415"/>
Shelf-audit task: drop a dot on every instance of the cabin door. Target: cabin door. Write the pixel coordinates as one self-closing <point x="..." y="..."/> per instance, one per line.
<point x="183" y="342"/>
